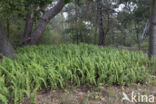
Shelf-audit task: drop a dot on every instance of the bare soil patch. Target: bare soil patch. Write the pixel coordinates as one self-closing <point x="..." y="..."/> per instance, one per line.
<point x="93" y="95"/>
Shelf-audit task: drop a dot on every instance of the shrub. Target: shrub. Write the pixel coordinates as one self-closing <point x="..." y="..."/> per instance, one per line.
<point x="38" y="67"/>
<point x="51" y="36"/>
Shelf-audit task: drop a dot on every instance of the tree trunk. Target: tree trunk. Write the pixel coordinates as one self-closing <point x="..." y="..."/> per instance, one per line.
<point x="146" y="29"/>
<point x="28" y="27"/>
<point x="138" y="41"/>
<point x="137" y="36"/>
<point x="95" y="35"/>
<point x="6" y="48"/>
<point x="77" y="37"/>
<point x="8" y="27"/>
<point x="45" y="20"/>
<point x="152" y="41"/>
<point x="100" y="20"/>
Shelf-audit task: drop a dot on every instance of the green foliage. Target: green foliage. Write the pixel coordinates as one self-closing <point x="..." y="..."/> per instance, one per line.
<point x="51" y="36"/>
<point x="37" y="67"/>
<point x="79" y="32"/>
<point x="3" y="90"/>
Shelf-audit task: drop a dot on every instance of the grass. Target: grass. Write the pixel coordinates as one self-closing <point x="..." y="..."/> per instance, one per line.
<point x="39" y="67"/>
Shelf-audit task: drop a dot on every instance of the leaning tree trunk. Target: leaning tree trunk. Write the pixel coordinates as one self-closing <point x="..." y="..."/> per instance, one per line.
<point x="28" y="27"/>
<point x="100" y="20"/>
<point x="45" y="20"/>
<point x="152" y="41"/>
<point x="6" y="48"/>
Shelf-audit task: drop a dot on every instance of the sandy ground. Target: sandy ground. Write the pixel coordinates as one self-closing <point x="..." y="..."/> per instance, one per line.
<point x="96" y="95"/>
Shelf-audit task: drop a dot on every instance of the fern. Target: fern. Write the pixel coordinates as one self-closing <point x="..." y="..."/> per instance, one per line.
<point x="38" y="67"/>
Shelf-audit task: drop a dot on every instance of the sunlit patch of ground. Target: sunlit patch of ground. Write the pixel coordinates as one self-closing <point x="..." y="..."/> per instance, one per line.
<point x="94" y="95"/>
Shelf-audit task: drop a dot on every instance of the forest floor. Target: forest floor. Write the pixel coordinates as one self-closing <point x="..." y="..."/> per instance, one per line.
<point x="95" y="95"/>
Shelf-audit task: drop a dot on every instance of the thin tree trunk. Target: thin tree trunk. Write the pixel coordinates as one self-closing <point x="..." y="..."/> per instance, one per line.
<point x="108" y="25"/>
<point x="138" y="40"/>
<point x="123" y="36"/>
<point x="45" y="20"/>
<point x="137" y="37"/>
<point x="146" y="29"/>
<point x="100" y="20"/>
<point x="77" y="37"/>
<point x="152" y="41"/>
<point x="6" y="48"/>
<point x="28" y="27"/>
<point x="95" y="37"/>
<point x="8" y="27"/>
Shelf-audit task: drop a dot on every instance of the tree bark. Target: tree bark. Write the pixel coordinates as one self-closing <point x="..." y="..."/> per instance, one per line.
<point x="6" y="48"/>
<point x="146" y="29"/>
<point x="28" y="27"/>
<point x="152" y="41"/>
<point x="138" y="40"/>
<point x="8" y="27"/>
<point x="137" y="36"/>
<point x="100" y="20"/>
<point x="45" y="20"/>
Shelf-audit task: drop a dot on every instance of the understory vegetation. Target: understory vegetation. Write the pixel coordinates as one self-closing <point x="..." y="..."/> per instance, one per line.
<point x="43" y="66"/>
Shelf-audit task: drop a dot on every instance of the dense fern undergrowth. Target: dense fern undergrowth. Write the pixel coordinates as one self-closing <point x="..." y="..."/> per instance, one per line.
<point x="39" y="67"/>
